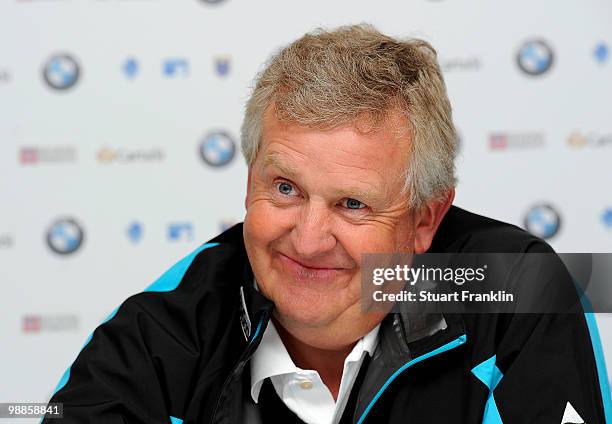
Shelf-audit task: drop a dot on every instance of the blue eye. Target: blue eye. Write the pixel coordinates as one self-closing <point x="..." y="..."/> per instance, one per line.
<point x="285" y="188"/>
<point x="354" y="204"/>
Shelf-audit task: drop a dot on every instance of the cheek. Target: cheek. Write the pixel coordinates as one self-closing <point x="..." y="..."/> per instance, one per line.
<point x="264" y="223"/>
<point x="371" y="239"/>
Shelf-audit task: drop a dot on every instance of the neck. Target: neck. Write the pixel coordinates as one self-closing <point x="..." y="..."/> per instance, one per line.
<point x="328" y="363"/>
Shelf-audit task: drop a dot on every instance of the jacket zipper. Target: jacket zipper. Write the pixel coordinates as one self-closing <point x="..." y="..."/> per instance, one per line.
<point x="446" y="347"/>
<point x="240" y="360"/>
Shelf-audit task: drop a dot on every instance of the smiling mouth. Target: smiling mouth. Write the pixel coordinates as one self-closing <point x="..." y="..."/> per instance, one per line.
<point x="305" y="273"/>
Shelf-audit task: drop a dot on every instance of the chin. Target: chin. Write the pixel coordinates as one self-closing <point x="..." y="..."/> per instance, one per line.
<point x="311" y="310"/>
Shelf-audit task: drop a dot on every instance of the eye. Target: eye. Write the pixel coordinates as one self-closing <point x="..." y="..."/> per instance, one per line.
<point x="285" y="188"/>
<point x="354" y="204"/>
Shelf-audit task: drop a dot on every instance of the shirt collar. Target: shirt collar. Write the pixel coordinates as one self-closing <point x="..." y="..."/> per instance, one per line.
<point x="271" y="357"/>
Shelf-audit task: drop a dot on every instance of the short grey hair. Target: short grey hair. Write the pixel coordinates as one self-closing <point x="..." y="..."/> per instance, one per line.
<point x="327" y="79"/>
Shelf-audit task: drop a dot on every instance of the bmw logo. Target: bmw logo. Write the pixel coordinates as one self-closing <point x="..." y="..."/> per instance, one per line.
<point x="535" y="57"/>
<point x="542" y="221"/>
<point x="65" y="236"/>
<point x="61" y="72"/>
<point x="218" y="148"/>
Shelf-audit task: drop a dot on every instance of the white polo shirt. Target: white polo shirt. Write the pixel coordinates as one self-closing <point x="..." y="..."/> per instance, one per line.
<point x="303" y="391"/>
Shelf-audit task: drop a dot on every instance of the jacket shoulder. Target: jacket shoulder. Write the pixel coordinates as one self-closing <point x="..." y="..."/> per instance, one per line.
<point x="465" y="231"/>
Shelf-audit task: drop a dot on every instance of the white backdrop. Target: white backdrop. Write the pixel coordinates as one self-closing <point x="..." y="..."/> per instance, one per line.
<point x="118" y="152"/>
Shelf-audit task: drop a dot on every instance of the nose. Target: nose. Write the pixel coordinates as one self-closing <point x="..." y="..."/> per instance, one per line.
<point x="312" y="234"/>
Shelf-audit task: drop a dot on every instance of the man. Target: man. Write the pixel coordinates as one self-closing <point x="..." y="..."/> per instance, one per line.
<point x="350" y="144"/>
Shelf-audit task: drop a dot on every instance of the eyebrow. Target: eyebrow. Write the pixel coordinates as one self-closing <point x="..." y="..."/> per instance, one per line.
<point x="369" y="197"/>
<point x="274" y="160"/>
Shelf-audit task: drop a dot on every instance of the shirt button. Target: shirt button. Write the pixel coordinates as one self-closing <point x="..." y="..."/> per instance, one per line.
<point x="306" y="385"/>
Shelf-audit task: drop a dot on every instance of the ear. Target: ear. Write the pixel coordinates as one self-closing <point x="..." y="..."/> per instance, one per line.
<point x="248" y="188"/>
<point x="427" y="220"/>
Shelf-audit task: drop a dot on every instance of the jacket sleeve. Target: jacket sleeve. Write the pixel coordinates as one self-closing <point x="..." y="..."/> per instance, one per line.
<point x="124" y="371"/>
<point x="547" y="367"/>
<point x="545" y="371"/>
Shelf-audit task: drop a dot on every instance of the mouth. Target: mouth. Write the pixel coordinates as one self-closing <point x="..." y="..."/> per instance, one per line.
<point x="308" y="274"/>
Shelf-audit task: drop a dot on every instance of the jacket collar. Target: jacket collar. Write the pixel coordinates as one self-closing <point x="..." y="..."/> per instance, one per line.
<point x="252" y="304"/>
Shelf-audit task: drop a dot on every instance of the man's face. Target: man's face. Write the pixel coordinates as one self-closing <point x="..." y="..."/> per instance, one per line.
<point x="316" y="200"/>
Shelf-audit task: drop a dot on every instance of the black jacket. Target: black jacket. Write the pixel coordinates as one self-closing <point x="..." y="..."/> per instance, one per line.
<point x="178" y="351"/>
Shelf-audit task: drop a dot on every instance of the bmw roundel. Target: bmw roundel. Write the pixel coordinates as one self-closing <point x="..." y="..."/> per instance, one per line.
<point x="65" y="236"/>
<point x="542" y="221"/>
<point x="217" y="148"/>
<point x="535" y="57"/>
<point x="61" y="72"/>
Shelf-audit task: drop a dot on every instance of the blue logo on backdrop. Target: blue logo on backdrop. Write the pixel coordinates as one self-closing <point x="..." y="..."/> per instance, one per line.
<point x="135" y="231"/>
<point x="130" y="67"/>
<point x="218" y="148"/>
<point x="65" y="236"/>
<point x="601" y="52"/>
<point x="535" y="57"/>
<point x="222" y="66"/>
<point x="61" y="72"/>
<point x="606" y="217"/>
<point x="542" y="221"/>
<point x="180" y="231"/>
<point x="172" y="68"/>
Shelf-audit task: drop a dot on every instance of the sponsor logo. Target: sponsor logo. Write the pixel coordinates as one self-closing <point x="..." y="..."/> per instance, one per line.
<point x="55" y="154"/>
<point x="130" y="68"/>
<point x="542" y="221"/>
<point x="579" y="140"/>
<point x="175" y="67"/>
<point x="61" y="72"/>
<point x="606" y="217"/>
<point x="525" y="140"/>
<point x="570" y="416"/>
<point x="535" y="57"/>
<point x="222" y="65"/>
<point x="135" y="232"/>
<point x="178" y="231"/>
<point x="460" y="64"/>
<point x="601" y="52"/>
<point x="65" y="236"/>
<point x="6" y="241"/>
<point x="217" y="148"/>
<point x="107" y="155"/>
<point x="51" y="323"/>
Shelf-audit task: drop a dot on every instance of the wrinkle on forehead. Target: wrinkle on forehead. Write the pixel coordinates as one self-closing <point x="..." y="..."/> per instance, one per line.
<point x="394" y="129"/>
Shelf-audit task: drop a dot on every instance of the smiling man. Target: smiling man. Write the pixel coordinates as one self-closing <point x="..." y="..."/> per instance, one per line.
<point x="305" y="232"/>
<point x="350" y="146"/>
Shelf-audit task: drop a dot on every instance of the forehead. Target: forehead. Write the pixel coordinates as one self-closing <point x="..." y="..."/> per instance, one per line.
<point x="391" y="135"/>
<point x="376" y="158"/>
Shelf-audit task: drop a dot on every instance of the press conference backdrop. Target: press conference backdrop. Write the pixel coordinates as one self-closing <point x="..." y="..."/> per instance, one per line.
<point x="119" y="140"/>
